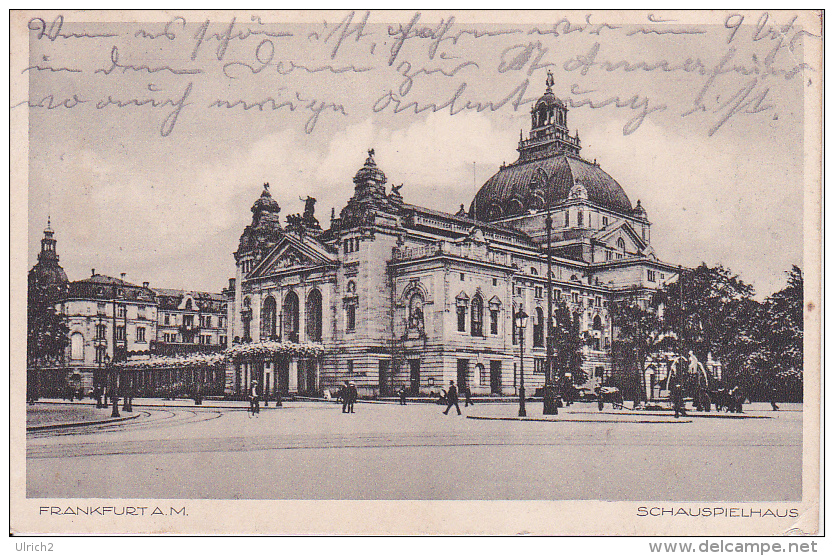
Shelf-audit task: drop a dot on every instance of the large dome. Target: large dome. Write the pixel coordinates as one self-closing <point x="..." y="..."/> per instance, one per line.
<point x="542" y="182"/>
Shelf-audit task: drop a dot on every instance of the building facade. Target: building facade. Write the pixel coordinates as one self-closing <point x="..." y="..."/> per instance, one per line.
<point x="111" y="320"/>
<point x="190" y="321"/>
<point x="400" y="295"/>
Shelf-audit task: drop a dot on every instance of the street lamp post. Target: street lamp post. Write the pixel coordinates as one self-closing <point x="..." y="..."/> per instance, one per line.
<point x="114" y="397"/>
<point x="521" y="323"/>
<point x="550" y="406"/>
<point x="127" y="390"/>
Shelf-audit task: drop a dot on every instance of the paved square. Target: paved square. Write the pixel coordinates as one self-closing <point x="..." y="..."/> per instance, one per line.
<point x="310" y="450"/>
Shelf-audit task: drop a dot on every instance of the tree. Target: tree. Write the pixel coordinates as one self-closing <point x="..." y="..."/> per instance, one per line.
<point x="567" y="343"/>
<point x="638" y="334"/>
<point x="47" y="333"/>
<point x="777" y="362"/>
<point x="711" y="311"/>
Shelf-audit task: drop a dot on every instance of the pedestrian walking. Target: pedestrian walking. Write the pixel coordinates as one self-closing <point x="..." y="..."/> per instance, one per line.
<point x="254" y="400"/>
<point x="452" y="398"/>
<point x="677" y="400"/>
<point x="467" y="397"/>
<point x="771" y="397"/>
<point x="402" y="394"/>
<point x="344" y="393"/>
<point x="352" y="396"/>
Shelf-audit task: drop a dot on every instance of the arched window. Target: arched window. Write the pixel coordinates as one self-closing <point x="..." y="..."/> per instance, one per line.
<point x="477" y="315"/>
<point x="415" y="311"/>
<point x="538" y="328"/>
<point x="314" y="316"/>
<point x="246" y="317"/>
<point x="533" y="271"/>
<point x="77" y="346"/>
<point x="268" y="319"/>
<point x="621" y="248"/>
<point x="579" y="218"/>
<point x="597" y="323"/>
<point x="290" y="315"/>
<point x="188" y="305"/>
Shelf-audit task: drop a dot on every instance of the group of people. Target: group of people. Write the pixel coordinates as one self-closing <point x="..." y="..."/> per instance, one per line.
<point x="348" y="395"/>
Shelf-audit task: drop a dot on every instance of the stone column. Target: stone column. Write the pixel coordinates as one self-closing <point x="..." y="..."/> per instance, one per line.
<point x="293" y="378"/>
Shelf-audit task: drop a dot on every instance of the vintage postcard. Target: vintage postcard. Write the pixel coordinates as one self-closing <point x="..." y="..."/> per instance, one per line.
<point x="403" y="272"/>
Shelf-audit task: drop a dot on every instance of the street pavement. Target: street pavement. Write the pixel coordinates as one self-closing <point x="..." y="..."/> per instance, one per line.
<point x="310" y="450"/>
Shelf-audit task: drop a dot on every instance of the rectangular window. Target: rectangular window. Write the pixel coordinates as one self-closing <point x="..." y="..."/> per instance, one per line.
<point x="461" y="276"/>
<point x="120" y="333"/>
<point x="576" y="297"/>
<point x="567" y="219"/>
<point x="102" y="308"/>
<point x="101" y="331"/>
<point x="167" y="319"/>
<point x="598" y="301"/>
<point x="579" y="218"/>
<point x="650" y="275"/>
<point x="208" y="321"/>
<point x="223" y="340"/>
<point x="140" y="334"/>
<point x="607" y="255"/>
<point x="539" y="293"/>
<point x="607" y="342"/>
<point x="604" y="221"/>
<point x="188" y="321"/>
<point x="557" y="294"/>
<point x="351" y="316"/>
<point x="121" y="311"/>
<point x="493" y="321"/>
<point x="540" y="364"/>
<point x="495" y="281"/>
<point x="461" y="318"/>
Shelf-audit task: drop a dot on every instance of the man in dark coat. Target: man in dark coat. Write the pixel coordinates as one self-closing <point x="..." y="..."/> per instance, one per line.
<point x="677" y="400"/>
<point x="467" y="397"/>
<point x="402" y="394"/>
<point x="344" y="393"/>
<point x="452" y="398"/>
<point x="352" y="396"/>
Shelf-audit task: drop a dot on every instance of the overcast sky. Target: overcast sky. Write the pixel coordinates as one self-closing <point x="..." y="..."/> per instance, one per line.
<point x="711" y="143"/>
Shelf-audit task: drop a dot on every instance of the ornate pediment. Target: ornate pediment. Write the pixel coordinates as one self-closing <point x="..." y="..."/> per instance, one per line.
<point x="290" y="258"/>
<point x="293" y="253"/>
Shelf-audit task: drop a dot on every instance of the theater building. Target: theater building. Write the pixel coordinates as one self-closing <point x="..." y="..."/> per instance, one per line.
<point x="393" y="294"/>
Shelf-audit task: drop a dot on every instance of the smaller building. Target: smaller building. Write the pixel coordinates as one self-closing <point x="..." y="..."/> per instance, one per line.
<point x="189" y="322"/>
<point x="108" y="319"/>
<point x="111" y="320"/>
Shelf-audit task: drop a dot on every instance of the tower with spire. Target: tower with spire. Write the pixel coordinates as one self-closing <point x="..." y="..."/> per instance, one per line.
<point x="549" y="132"/>
<point x="47" y="276"/>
